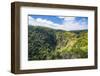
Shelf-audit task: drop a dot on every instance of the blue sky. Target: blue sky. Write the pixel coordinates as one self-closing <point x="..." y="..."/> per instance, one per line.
<point x="59" y="22"/>
<point x="54" y="19"/>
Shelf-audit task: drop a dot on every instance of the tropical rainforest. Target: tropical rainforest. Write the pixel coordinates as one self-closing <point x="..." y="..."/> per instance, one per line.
<point x="49" y="44"/>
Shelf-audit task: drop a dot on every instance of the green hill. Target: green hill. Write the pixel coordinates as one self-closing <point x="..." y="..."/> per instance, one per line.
<point x="46" y="43"/>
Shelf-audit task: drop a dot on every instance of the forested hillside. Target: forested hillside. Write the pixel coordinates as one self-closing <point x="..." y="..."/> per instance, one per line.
<point x="47" y="44"/>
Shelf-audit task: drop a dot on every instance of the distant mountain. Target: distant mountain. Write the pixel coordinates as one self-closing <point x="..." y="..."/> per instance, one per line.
<point x="79" y="31"/>
<point x="45" y="43"/>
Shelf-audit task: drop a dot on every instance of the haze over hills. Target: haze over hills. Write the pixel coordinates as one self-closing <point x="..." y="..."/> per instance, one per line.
<point x="58" y="27"/>
<point x="46" y="43"/>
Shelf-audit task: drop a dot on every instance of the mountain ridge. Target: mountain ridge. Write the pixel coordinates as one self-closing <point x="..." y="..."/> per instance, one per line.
<point x="59" y="28"/>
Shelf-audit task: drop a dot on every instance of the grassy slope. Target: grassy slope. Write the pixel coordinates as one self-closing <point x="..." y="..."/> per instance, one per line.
<point x="46" y="43"/>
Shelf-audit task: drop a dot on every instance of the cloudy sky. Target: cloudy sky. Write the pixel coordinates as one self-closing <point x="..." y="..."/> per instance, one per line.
<point x="59" y="22"/>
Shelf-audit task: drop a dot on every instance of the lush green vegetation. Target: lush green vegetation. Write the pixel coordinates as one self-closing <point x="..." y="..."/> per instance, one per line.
<point x="46" y="43"/>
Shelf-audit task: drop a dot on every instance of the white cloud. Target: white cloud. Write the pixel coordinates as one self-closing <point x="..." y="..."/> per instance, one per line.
<point x="68" y="24"/>
<point x="43" y="22"/>
<point x="74" y="25"/>
<point x="30" y="19"/>
<point x="67" y="18"/>
<point x="71" y="24"/>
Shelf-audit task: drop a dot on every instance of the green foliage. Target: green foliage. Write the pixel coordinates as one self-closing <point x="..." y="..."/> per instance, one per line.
<point x="46" y="43"/>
